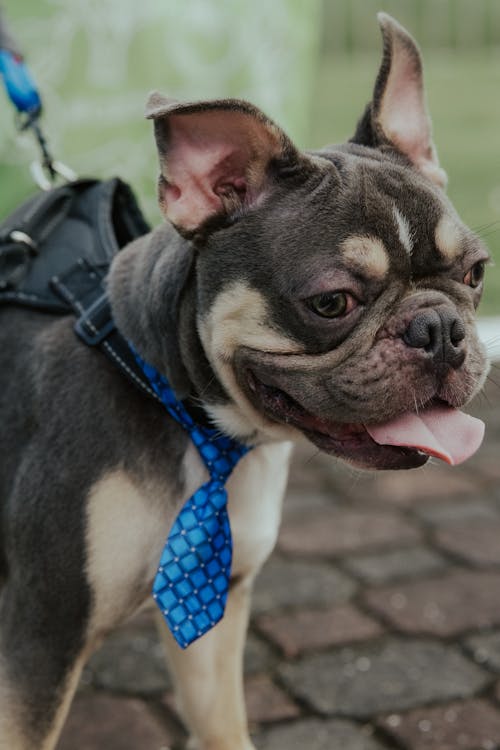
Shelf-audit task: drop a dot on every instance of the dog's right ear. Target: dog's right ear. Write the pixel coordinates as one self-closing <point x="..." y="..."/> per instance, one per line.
<point x="215" y="159"/>
<point x="397" y="115"/>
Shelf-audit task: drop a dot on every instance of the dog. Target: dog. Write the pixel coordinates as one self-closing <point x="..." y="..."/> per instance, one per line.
<point x="326" y="296"/>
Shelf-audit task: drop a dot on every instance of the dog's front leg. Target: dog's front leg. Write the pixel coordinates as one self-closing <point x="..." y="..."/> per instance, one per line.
<point x="41" y="658"/>
<point x="209" y="678"/>
<point x="209" y="674"/>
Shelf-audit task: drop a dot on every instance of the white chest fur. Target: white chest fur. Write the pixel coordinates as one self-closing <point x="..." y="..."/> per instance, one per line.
<point x="256" y="490"/>
<point x="128" y="524"/>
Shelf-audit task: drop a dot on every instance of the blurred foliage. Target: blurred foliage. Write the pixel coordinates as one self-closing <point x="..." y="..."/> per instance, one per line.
<point x="96" y="60"/>
<point x="454" y="24"/>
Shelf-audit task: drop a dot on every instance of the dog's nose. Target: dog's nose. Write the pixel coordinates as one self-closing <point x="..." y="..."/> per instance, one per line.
<point x="440" y="333"/>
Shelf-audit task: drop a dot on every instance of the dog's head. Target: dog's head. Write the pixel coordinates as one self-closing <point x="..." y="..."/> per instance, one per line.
<point x="333" y="292"/>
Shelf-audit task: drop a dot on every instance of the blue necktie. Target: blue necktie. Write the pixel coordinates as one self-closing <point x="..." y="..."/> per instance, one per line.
<point x="192" y="581"/>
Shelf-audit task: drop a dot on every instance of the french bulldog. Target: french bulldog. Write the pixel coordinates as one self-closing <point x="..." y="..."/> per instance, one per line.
<point x="326" y="296"/>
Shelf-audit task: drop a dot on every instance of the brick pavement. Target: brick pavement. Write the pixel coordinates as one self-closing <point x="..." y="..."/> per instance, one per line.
<point x="375" y="626"/>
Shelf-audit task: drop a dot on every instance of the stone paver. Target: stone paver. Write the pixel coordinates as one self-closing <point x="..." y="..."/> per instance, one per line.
<point x="103" y="721"/>
<point x="485" y="648"/>
<point x="486" y="464"/>
<point x="472" y="725"/>
<point x="458" y="510"/>
<point x="447" y="605"/>
<point x="300" y="501"/>
<point x="258" y="655"/>
<point x="266" y="702"/>
<point x="406" y="489"/>
<point x="314" y="734"/>
<point x="312" y="629"/>
<point x="131" y="660"/>
<point x="393" y="565"/>
<point x="390" y="676"/>
<point x="294" y="584"/>
<point x="335" y="532"/>
<point x="476" y="542"/>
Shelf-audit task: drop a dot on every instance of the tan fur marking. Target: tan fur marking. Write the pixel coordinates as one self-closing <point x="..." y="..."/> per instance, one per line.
<point x="448" y="236"/>
<point x="208" y="678"/>
<point x="125" y="536"/>
<point x="239" y="318"/>
<point x="63" y="709"/>
<point x="10" y="718"/>
<point x="366" y="254"/>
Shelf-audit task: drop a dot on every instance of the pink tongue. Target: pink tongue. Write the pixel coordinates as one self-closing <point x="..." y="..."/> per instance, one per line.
<point x="440" y="431"/>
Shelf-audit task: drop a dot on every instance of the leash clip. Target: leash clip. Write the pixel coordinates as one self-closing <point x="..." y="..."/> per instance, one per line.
<point x="45" y="173"/>
<point x="24" y="95"/>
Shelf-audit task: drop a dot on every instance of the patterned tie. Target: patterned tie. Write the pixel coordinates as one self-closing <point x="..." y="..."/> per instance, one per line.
<point x="192" y="581"/>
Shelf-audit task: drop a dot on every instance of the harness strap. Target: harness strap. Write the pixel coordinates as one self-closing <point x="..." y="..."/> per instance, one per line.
<point x="22" y="233"/>
<point x="82" y="287"/>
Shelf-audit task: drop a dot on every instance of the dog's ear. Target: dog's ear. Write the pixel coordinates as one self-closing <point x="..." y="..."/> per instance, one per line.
<point x="216" y="159"/>
<point x="398" y="115"/>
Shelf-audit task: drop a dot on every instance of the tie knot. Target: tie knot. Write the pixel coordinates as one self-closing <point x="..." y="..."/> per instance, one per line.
<point x="219" y="454"/>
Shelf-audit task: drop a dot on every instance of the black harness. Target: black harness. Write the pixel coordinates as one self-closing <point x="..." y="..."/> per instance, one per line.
<point x="55" y="253"/>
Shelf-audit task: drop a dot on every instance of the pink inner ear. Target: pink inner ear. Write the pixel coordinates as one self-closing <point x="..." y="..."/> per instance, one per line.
<point x="209" y="155"/>
<point x="403" y="113"/>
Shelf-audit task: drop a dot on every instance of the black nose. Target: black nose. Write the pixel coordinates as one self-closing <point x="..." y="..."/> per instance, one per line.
<point x="440" y="333"/>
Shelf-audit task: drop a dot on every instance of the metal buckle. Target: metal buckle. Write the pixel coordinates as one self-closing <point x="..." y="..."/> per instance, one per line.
<point x="24" y="239"/>
<point x="88" y="326"/>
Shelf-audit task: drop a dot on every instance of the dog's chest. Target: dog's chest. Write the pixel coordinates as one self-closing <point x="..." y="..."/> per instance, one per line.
<point x="128" y="524"/>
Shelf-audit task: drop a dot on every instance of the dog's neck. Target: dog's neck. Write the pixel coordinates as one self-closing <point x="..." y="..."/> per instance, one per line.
<point x="152" y="291"/>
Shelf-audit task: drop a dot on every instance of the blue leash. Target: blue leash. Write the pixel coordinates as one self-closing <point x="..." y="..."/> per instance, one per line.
<point x="23" y="93"/>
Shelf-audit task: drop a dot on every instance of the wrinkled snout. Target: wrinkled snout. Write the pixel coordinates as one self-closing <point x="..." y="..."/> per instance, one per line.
<point x="440" y="332"/>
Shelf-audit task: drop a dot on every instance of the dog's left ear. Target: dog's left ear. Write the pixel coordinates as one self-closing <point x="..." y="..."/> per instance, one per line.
<point x="215" y="158"/>
<point x="398" y="115"/>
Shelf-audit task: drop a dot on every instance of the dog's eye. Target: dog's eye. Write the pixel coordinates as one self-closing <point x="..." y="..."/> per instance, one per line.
<point x="331" y="304"/>
<point x="475" y="275"/>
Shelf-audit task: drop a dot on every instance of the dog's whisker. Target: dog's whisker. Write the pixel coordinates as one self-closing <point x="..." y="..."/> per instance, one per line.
<point x="492" y="225"/>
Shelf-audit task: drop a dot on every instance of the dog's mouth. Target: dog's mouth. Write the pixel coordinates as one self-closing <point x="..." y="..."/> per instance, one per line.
<point x="404" y="442"/>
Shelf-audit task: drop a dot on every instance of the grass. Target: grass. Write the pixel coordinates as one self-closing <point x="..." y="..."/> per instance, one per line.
<point x="464" y="100"/>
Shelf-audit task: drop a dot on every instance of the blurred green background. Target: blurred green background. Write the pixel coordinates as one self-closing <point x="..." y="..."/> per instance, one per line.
<point x="309" y="64"/>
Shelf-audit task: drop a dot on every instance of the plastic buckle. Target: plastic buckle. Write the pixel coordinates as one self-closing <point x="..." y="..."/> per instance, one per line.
<point x="89" y="328"/>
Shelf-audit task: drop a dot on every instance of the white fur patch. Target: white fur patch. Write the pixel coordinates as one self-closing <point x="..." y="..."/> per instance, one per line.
<point x="404" y="230"/>
<point x="256" y="489"/>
